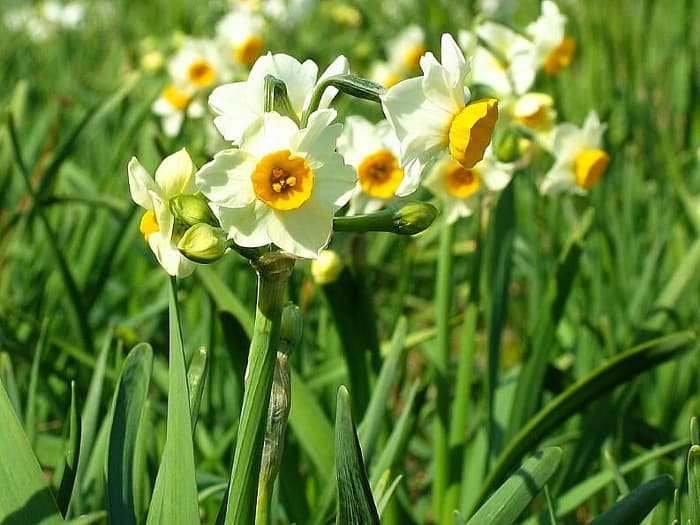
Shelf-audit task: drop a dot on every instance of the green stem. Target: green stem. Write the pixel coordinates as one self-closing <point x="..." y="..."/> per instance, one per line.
<point x="443" y="301"/>
<point x="273" y="271"/>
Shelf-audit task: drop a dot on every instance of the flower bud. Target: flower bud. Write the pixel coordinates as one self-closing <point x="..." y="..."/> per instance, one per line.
<point x="506" y="145"/>
<point x="414" y="217"/>
<point x="192" y="209"/>
<point x="291" y="328"/>
<point x="203" y="243"/>
<point x="327" y="267"/>
<point x="277" y="99"/>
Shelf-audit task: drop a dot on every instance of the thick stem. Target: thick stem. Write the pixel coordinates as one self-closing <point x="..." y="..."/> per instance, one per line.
<point x="273" y="271"/>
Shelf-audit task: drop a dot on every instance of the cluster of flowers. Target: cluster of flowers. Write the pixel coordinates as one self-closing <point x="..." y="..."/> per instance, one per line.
<point x="41" y="21"/>
<point x="199" y="64"/>
<point x="291" y="167"/>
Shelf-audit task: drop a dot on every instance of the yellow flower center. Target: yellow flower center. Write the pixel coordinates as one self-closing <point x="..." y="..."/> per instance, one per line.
<point x="176" y="97"/>
<point x="411" y="59"/>
<point x="462" y="182"/>
<point x="379" y="174"/>
<point x="201" y="74"/>
<point x="283" y="181"/>
<point x="149" y="224"/>
<point x="559" y="57"/>
<point x="534" y="110"/>
<point x="589" y="166"/>
<point x="248" y="51"/>
<point x="471" y="129"/>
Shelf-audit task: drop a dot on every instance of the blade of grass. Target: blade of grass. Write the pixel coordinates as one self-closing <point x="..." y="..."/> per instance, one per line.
<point x="638" y="503"/>
<point x="71" y="455"/>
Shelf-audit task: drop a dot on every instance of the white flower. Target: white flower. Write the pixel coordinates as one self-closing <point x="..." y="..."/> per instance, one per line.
<point x="241" y="35"/>
<point x="505" y="63"/>
<point x="552" y="50"/>
<point x="172" y="105"/>
<point x="405" y="49"/>
<point x="174" y="176"/>
<point x="373" y="150"/>
<point x="459" y="187"/>
<point x="282" y="185"/>
<point x="579" y="161"/>
<point x="67" y="16"/>
<point x="240" y="103"/>
<point x="196" y="64"/>
<point x="430" y="115"/>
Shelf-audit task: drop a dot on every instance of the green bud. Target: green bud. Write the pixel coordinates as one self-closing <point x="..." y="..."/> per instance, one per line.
<point x="507" y="145"/>
<point x="192" y="209"/>
<point x="405" y="219"/>
<point x="203" y="243"/>
<point x="277" y="99"/>
<point x="291" y="328"/>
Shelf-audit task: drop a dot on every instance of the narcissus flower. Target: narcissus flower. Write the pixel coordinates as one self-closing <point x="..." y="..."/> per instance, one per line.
<point x="240" y="103"/>
<point x="432" y="114"/>
<point x="373" y="150"/>
<point x="173" y="104"/>
<point x="459" y="187"/>
<point x="282" y="185"/>
<point x="580" y="162"/>
<point x="552" y="49"/>
<point x="241" y="35"/>
<point x="196" y="65"/>
<point x="174" y="176"/>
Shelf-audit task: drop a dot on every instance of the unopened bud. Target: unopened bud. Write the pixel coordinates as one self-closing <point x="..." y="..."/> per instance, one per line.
<point x="326" y="268"/>
<point x="414" y="217"/>
<point x="291" y="328"/>
<point x="203" y="243"/>
<point x="506" y="143"/>
<point x="192" y="209"/>
<point x="277" y="98"/>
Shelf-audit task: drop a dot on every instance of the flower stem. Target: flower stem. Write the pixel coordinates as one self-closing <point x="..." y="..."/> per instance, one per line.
<point x="443" y="301"/>
<point x="273" y="271"/>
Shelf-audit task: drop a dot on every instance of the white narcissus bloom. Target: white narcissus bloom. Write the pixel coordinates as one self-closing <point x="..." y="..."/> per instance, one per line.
<point x="241" y="35"/>
<point x="174" y="176"/>
<point x="240" y="103"/>
<point x="405" y="49"/>
<point x="579" y="160"/>
<point x="373" y="150"/>
<point x="196" y="64"/>
<point x="552" y="50"/>
<point x="172" y="105"/>
<point x="282" y="185"/>
<point x="459" y="187"/>
<point x="505" y="64"/>
<point x="430" y="115"/>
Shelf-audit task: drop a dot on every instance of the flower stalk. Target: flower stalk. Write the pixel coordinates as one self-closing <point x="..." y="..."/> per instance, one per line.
<point x="273" y="270"/>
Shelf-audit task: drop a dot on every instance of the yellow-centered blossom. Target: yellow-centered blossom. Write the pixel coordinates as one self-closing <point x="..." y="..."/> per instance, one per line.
<point x="580" y="161"/>
<point x="282" y="185"/>
<point x="374" y="151"/>
<point x="552" y="49"/>
<point x="432" y="114"/>
<point x="459" y="188"/>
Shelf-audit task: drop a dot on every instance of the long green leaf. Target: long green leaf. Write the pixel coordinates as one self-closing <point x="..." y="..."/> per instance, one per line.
<point x="638" y="503"/>
<point x="127" y="407"/>
<point x="174" y="498"/>
<point x="355" y="503"/>
<point x="25" y="497"/>
<point x="71" y="455"/>
<point x="617" y="371"/>
<point x="511" y="498"/>
<point x="694" y="484"/>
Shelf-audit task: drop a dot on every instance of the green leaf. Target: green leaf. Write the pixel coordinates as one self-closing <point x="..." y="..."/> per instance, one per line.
<point x="196" y="378"/>
<point x="71" y="454"/>
<point x="225" y="299"/>
<point x="127" y="407"/>
<point x="615" y="372"/>
<point x="638" y="503"/>
<point x="694" y="484"/>
<point x="174" y="498"/>
<point x="355" y="502"/>
<point x="25" y="497"/>
<point x="509" y="501"/>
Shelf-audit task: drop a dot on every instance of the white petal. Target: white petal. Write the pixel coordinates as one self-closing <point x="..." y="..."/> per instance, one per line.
<point x="226" y="179"/>
<point x="333" y="183"/>
<point x="304" y="231"/>
<point x="169" y="256"/>
<point x="140" y="184"/>
<point x="172" y="123"/>
<point x="453" y="59"/>
<point x="299" y="78"/>
<point x="237" y="106"/>
<point x="399" y="104"/>
<point x="246" y="226"/>
<point x="175" y="174"/>
<point x="318" y="140"/>
<point x="271" y="133"/>
<point x="339" y="66"/>
<point x="560" y="179"/>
